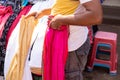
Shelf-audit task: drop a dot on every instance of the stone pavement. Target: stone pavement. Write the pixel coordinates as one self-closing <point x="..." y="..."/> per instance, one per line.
<point x="1" y="77"/>
<point x="100" y="73"/>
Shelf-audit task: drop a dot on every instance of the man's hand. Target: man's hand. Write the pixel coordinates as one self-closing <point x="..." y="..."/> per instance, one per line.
<point x="55" y="22"/>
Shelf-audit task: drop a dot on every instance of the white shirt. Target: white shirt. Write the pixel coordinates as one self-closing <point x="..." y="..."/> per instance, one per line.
<point x="78" y="34"/>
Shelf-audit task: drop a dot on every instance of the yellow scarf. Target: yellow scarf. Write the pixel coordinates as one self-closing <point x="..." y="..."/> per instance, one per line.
<point x="64" y="7"/>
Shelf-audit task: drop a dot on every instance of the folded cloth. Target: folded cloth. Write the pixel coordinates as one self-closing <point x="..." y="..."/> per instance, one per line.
<point x="55" y="53"/>
<point x="5" y="12"/>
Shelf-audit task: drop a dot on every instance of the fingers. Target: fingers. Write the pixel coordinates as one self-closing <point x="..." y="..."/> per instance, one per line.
<point x="51" y="22"/>
<point x="53" y="25"/>
<point x="54" y="22"/>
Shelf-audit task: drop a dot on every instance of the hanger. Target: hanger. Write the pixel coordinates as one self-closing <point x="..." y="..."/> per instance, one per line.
<point x="24" y="2"/>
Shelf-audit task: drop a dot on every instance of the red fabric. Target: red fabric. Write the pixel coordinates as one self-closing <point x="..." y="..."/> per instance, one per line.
<point x="5" y="12"/>
<point x="55" y="53"/>
<point x="90" y="34"/>
<point x="24" y="11"/>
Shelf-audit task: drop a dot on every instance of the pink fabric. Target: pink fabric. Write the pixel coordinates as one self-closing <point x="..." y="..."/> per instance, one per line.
<point x="5" y="12"/>
<point x="24" y="11"/>
<point x="55" y="53"/>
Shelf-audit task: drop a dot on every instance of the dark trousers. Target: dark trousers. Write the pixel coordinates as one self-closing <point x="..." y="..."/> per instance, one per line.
<point x="76" y="62"/>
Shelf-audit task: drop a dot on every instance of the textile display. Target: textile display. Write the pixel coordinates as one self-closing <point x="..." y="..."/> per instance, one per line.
<point x="17" y="66"/>
<point x="15" y="4"/>
<point x="24" y="60"/>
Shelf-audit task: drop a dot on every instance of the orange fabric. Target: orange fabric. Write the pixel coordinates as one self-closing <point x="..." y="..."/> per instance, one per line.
<point x="17" y="66"/>
<point x="27" y="26"/>
<point x="24" y="11"/>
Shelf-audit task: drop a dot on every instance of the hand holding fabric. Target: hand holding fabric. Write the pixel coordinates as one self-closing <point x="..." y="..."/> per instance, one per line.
<point x="55" y="22"/>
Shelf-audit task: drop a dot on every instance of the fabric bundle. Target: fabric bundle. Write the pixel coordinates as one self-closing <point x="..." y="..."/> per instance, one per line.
<point x="55" y="53"/>
<point x="19" y="65"/>
<point x="5" y="12"/>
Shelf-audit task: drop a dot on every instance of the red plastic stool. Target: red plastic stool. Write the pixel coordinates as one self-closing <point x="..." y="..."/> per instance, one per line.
<point x="109" y="38"/>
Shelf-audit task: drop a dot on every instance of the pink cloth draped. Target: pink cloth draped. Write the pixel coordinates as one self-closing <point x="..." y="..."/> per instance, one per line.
<point x="55" y="53"/>
<point x="5" y="12"/>
<point x="24" y="11"/>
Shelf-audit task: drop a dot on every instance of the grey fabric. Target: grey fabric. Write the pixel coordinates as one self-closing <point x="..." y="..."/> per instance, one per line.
<point x="76" y="62"/>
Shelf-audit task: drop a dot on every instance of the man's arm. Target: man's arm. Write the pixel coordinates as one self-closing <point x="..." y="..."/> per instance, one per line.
<point x="92" y="15"/>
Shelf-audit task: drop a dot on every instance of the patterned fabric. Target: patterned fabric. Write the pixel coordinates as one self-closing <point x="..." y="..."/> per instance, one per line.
<point x="5" y="13"/>
<point x="16" y="8"/>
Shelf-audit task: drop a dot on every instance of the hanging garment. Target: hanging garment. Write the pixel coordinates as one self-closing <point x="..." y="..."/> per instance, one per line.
<point x="5" y="12"/>
<point x="38" y="34"/>
<point x="37" y="46"/>
<point x="11" y="50"/>
<point x="19" y="61"/>
<point x="55" y="53"/>
<point x="15" y="4"/>
<point x="16" y="69"/>
<point x="36" y="1"/>
<point x="24" y="11"/>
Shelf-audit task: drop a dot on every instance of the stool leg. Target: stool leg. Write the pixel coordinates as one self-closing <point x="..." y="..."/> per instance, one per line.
<point x="92" y="58"/>
<point x="113" y="66"/>
<point x="113" y="70"/>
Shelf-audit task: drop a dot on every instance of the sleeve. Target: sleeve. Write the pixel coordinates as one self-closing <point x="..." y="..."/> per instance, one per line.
<point x="84" y="1"/>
